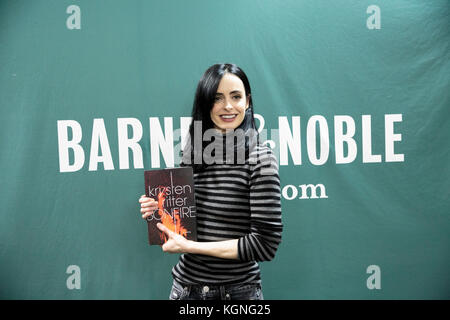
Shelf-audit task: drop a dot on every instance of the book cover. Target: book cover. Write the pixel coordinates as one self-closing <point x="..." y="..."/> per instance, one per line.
<point x="173" y="189"/>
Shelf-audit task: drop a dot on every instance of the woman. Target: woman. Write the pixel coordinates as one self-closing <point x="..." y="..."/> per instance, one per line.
<point x="238" y="203"/>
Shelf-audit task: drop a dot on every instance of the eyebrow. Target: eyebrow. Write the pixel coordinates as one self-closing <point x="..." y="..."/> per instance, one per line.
<point x="234" y="91"/>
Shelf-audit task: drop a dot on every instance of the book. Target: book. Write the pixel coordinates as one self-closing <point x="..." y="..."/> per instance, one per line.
<point x="173" y="189"/>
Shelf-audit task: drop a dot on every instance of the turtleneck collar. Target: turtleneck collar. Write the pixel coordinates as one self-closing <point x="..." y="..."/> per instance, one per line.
<point x="234" y="144"/>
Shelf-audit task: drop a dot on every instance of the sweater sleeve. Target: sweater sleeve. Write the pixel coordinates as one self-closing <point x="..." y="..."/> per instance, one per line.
<point x="265" y="211"/>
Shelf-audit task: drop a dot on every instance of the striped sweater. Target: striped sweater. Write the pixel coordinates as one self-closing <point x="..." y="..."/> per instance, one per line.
<point x="239" y="201"/>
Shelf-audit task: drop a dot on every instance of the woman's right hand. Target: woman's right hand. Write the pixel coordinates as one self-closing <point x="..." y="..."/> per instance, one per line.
<point x="148" y="206"/>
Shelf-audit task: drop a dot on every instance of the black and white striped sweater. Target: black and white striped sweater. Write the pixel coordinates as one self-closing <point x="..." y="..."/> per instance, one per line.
<point x="239" y="201"/>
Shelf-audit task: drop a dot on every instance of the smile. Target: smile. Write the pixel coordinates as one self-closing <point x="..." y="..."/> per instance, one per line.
<point x="228" y="116"/>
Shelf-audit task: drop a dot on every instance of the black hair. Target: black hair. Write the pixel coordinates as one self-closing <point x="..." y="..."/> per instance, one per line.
<point x="204" y="102"/>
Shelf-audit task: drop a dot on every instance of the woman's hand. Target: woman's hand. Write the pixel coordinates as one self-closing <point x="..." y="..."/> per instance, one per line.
<point x="175" y="243"/>
<point x="148" y="206"/>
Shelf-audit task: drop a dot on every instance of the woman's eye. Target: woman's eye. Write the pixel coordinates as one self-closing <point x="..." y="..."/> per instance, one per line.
<point x="220" y="98"/>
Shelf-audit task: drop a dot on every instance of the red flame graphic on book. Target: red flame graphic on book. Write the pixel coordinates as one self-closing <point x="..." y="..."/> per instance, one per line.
<point x="173" y="224"/>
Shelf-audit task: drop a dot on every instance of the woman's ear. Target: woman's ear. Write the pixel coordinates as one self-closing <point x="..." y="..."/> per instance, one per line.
<point x="248" y="102"/>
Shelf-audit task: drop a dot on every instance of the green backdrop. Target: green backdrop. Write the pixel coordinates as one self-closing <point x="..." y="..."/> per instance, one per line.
<point x="143" y="59"/>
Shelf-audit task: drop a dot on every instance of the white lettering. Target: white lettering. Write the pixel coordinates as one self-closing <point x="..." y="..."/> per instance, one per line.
<point x="368" y="157"/>
<point x="133" y="143"/>
<point x="160" y="141"/>
<point x="324" y="140"/>
<point x="100" y="139"/>
<point x="289" y="140"/>
<point x="74" y="280"/>
<point x="291" y="188"/>
<point x="64" y="145"/>
<point x="390" y="138"/>
<point x="340" y="138"/>
<point x="374" y="281"/>
<point x="73" y="21"/>
<point x="373" y="21"/>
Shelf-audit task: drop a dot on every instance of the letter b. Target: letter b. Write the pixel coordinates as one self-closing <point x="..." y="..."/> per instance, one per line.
<point x="64" y="145"/>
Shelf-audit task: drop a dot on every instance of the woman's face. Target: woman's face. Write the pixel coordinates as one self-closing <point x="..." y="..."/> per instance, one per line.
<point x="230" y="103"/>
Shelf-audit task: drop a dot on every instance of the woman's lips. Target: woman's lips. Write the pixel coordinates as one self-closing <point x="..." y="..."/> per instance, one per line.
<point x="228" y="117"/>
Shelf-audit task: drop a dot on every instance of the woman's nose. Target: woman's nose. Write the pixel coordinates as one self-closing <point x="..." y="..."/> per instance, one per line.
<point x="228" y="106"/>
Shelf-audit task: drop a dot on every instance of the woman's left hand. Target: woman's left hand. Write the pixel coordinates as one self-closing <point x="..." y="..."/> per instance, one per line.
<point x="176" y="243"/>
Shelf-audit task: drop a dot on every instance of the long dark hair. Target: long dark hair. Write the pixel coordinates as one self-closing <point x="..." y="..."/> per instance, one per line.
<point x="204" y="102"/>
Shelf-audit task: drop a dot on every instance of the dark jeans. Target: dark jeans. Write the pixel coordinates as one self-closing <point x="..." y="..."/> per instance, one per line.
<point x="214" y="292"/>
